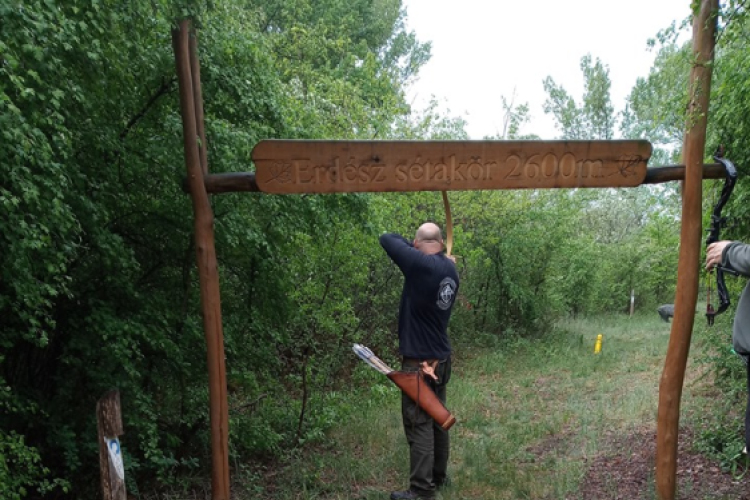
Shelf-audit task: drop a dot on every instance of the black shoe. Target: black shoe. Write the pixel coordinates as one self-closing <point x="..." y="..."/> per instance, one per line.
<point x="406" y="495"/>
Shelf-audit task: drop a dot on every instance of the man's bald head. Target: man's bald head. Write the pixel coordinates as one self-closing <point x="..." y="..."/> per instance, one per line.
<point x="429" y="239"/>
<point x="429" y="231"/>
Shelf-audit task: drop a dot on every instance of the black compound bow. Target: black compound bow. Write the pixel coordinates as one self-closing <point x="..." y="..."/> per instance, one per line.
<point x="717" y="223"/>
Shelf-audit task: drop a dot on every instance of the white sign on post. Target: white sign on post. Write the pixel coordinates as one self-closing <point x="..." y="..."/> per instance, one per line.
<point x="115" y="455"/>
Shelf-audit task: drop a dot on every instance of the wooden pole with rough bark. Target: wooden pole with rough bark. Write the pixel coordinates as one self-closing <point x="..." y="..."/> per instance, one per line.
<point x="191" y="107"/>
<point x="672" y="379"/>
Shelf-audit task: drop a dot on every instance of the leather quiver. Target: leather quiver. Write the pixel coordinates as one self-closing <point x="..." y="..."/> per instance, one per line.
<point x="417" y="388"/>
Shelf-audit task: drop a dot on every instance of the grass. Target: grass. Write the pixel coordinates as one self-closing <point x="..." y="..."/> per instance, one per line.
<point x="531" y="417"/>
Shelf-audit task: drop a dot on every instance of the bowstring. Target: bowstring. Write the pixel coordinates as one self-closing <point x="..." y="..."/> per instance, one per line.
<point x="709" y="287"/>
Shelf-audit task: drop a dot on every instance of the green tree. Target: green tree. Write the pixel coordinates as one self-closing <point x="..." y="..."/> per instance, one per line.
<point x="99" y="288"/>
<point x="655" y="107"/>
<point x="594" y="118"/>
<point x="515" y="116"/>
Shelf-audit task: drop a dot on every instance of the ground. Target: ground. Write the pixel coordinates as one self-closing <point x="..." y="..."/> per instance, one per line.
<point x="625" y="470"/>
<point x="628" y="474"/>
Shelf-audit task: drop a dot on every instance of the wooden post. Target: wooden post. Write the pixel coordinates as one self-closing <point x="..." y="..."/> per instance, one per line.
<point x="195" y="73"/>
<point x="208" y="271"/>
<point x="109" y="426"/>
<point x="670" y="387"/>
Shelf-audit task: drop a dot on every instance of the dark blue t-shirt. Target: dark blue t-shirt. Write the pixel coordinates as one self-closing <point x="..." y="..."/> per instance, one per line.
<point x="430" y="288"/>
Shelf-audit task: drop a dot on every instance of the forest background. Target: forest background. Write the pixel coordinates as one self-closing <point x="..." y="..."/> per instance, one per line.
<point x="98" y="287"/>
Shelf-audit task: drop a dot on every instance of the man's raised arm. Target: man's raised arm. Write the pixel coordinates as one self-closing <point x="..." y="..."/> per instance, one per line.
<point x="399" y="249"/>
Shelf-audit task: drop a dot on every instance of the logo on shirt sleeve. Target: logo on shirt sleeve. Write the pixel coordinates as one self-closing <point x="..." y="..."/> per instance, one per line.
<point x="446" y="293"/>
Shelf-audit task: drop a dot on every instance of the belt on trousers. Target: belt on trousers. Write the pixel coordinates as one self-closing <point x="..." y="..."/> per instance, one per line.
<point x="419" y="361"/>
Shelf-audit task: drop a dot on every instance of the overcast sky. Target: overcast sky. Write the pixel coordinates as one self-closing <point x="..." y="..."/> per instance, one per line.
<point x="484" y="49"/>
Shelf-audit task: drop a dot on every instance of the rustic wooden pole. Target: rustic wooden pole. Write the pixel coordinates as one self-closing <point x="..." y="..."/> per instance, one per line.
<point x="670" y="388"/>
<point x="238" y="182"/>
<point x="208" y="271"/>
<point x="109" y="426"/>
<point x="668" y="173"/>
<point x="195" y="72"/>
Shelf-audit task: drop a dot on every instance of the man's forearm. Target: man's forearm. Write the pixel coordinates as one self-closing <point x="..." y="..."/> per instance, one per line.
<point x="392" y="242"/>
<point x="737" y="257"/>
<point x="398" y="248"/>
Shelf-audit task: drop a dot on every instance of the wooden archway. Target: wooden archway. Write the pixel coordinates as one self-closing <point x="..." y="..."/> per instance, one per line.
<point x="286" y="167"/>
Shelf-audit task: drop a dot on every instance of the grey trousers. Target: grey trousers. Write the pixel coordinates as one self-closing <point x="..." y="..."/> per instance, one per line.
<point x="429" y="444"/>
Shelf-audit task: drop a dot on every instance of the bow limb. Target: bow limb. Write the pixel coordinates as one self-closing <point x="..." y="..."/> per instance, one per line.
<point x="448" y="224"/>
<point x="717" y="223"/>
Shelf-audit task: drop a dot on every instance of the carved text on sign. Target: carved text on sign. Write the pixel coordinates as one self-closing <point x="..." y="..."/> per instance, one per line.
<point x="563" y="164"/>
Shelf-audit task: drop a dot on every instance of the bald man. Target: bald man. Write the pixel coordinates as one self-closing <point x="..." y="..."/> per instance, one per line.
<point x="430" y="288"/>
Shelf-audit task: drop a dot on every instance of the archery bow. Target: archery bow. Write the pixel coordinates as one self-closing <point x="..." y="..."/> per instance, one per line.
<point x="717" y="222"/>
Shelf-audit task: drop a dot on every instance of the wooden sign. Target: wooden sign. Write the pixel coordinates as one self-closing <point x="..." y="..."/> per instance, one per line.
<point x="285" y="167"/>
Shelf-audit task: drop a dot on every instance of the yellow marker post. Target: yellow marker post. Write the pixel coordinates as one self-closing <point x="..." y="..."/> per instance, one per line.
<point x="598" y="346"/>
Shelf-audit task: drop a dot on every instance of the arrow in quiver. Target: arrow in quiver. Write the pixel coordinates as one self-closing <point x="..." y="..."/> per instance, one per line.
<point x="413" y="384"/>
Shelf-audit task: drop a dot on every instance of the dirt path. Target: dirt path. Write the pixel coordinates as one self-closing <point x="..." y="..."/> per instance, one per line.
<point x="624" y="467"/>
<point x="629" y="475"/>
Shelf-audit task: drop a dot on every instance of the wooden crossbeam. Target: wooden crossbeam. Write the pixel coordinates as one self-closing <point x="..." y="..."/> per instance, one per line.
<point x="245" y="182"/>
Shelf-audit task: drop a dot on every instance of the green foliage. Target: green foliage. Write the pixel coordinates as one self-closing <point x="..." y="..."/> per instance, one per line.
<point x="515" y="116"/>
<point x="430" y="123"/>
<point x="655" y="108"/>
<point x="594" y="118"/>
<point x="625" y="239"/>
<point x="722" y="435"/>
<point x="21" y="468"/>
<point x="99" y="288"/>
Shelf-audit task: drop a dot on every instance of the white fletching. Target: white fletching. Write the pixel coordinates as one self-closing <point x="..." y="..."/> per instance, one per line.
<point x="369" y="357"/>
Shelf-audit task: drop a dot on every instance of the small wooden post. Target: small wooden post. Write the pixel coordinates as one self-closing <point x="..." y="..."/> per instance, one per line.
<point x="111" y="466"/>
<point x="670" y="387"/>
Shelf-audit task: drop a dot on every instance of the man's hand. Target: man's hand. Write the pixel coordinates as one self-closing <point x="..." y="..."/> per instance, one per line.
<point x="452" y="258"/>
<point x="429" y="369"/>
<point x="714" y="252"/>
